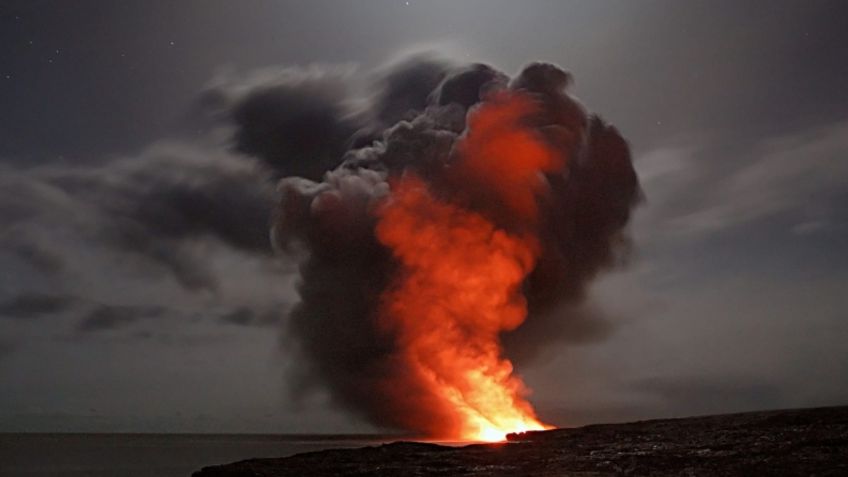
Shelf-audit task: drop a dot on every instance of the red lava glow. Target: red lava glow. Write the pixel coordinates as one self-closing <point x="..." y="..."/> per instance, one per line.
<point x="460" y="280"/>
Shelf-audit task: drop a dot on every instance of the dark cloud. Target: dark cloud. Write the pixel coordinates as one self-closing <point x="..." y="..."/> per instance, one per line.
<point x="156" y="207"/>
<point x="301" y="121"/>
<point x="33" y="305"/>
<point x="405" y="88"/>
<point x="401" y="91"/>
<point x="465" y="85"/>
<point x="295" y="120"/>
<point x="112" y="317"/>
<point x="347" y="270"/>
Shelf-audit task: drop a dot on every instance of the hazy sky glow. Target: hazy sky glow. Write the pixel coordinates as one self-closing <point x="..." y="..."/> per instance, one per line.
<point x="132" y="299"/>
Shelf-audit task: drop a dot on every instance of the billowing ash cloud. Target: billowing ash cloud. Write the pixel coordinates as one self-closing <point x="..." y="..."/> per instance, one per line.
<point x="416" y="124"/>
<point x="298" y="121"/>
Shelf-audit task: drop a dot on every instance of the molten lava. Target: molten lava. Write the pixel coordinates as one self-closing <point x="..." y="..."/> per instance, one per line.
<point x="461" y="273"/>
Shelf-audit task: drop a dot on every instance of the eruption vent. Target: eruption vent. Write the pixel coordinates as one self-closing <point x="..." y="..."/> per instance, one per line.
<point x="429" y="249"/>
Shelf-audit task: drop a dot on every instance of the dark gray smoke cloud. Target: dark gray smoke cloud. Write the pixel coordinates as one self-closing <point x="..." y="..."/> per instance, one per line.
<point x="413" y="125"/>
<point x="406" y="88"/>
<point x="155" y="208"/>
<point x="298" y="121"/>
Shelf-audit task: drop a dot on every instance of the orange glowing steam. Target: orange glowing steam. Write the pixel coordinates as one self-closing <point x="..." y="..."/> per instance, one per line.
<point x="461" y="275"/>
<point x="502" y="153"/>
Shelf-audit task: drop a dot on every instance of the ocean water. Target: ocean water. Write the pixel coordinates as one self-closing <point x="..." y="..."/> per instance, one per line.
<point x="150" y="455"/>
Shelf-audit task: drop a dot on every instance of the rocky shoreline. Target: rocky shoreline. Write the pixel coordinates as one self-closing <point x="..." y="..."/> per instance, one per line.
<point x="789" y="442"/>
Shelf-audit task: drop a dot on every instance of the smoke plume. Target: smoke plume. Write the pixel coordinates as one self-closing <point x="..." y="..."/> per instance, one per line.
<point x="465" y="221"/>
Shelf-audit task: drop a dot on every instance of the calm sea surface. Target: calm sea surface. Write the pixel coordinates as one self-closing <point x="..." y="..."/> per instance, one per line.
<point x="150" y="455"/>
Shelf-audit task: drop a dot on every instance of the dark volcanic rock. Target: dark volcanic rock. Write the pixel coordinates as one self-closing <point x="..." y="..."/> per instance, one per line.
<point x="796" y="442"/>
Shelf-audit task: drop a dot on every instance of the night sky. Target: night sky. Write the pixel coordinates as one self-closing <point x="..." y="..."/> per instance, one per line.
<point x="138" y="291"/>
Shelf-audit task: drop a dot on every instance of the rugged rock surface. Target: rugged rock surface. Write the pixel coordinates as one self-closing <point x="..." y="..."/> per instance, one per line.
<point x="795" y="442"/>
